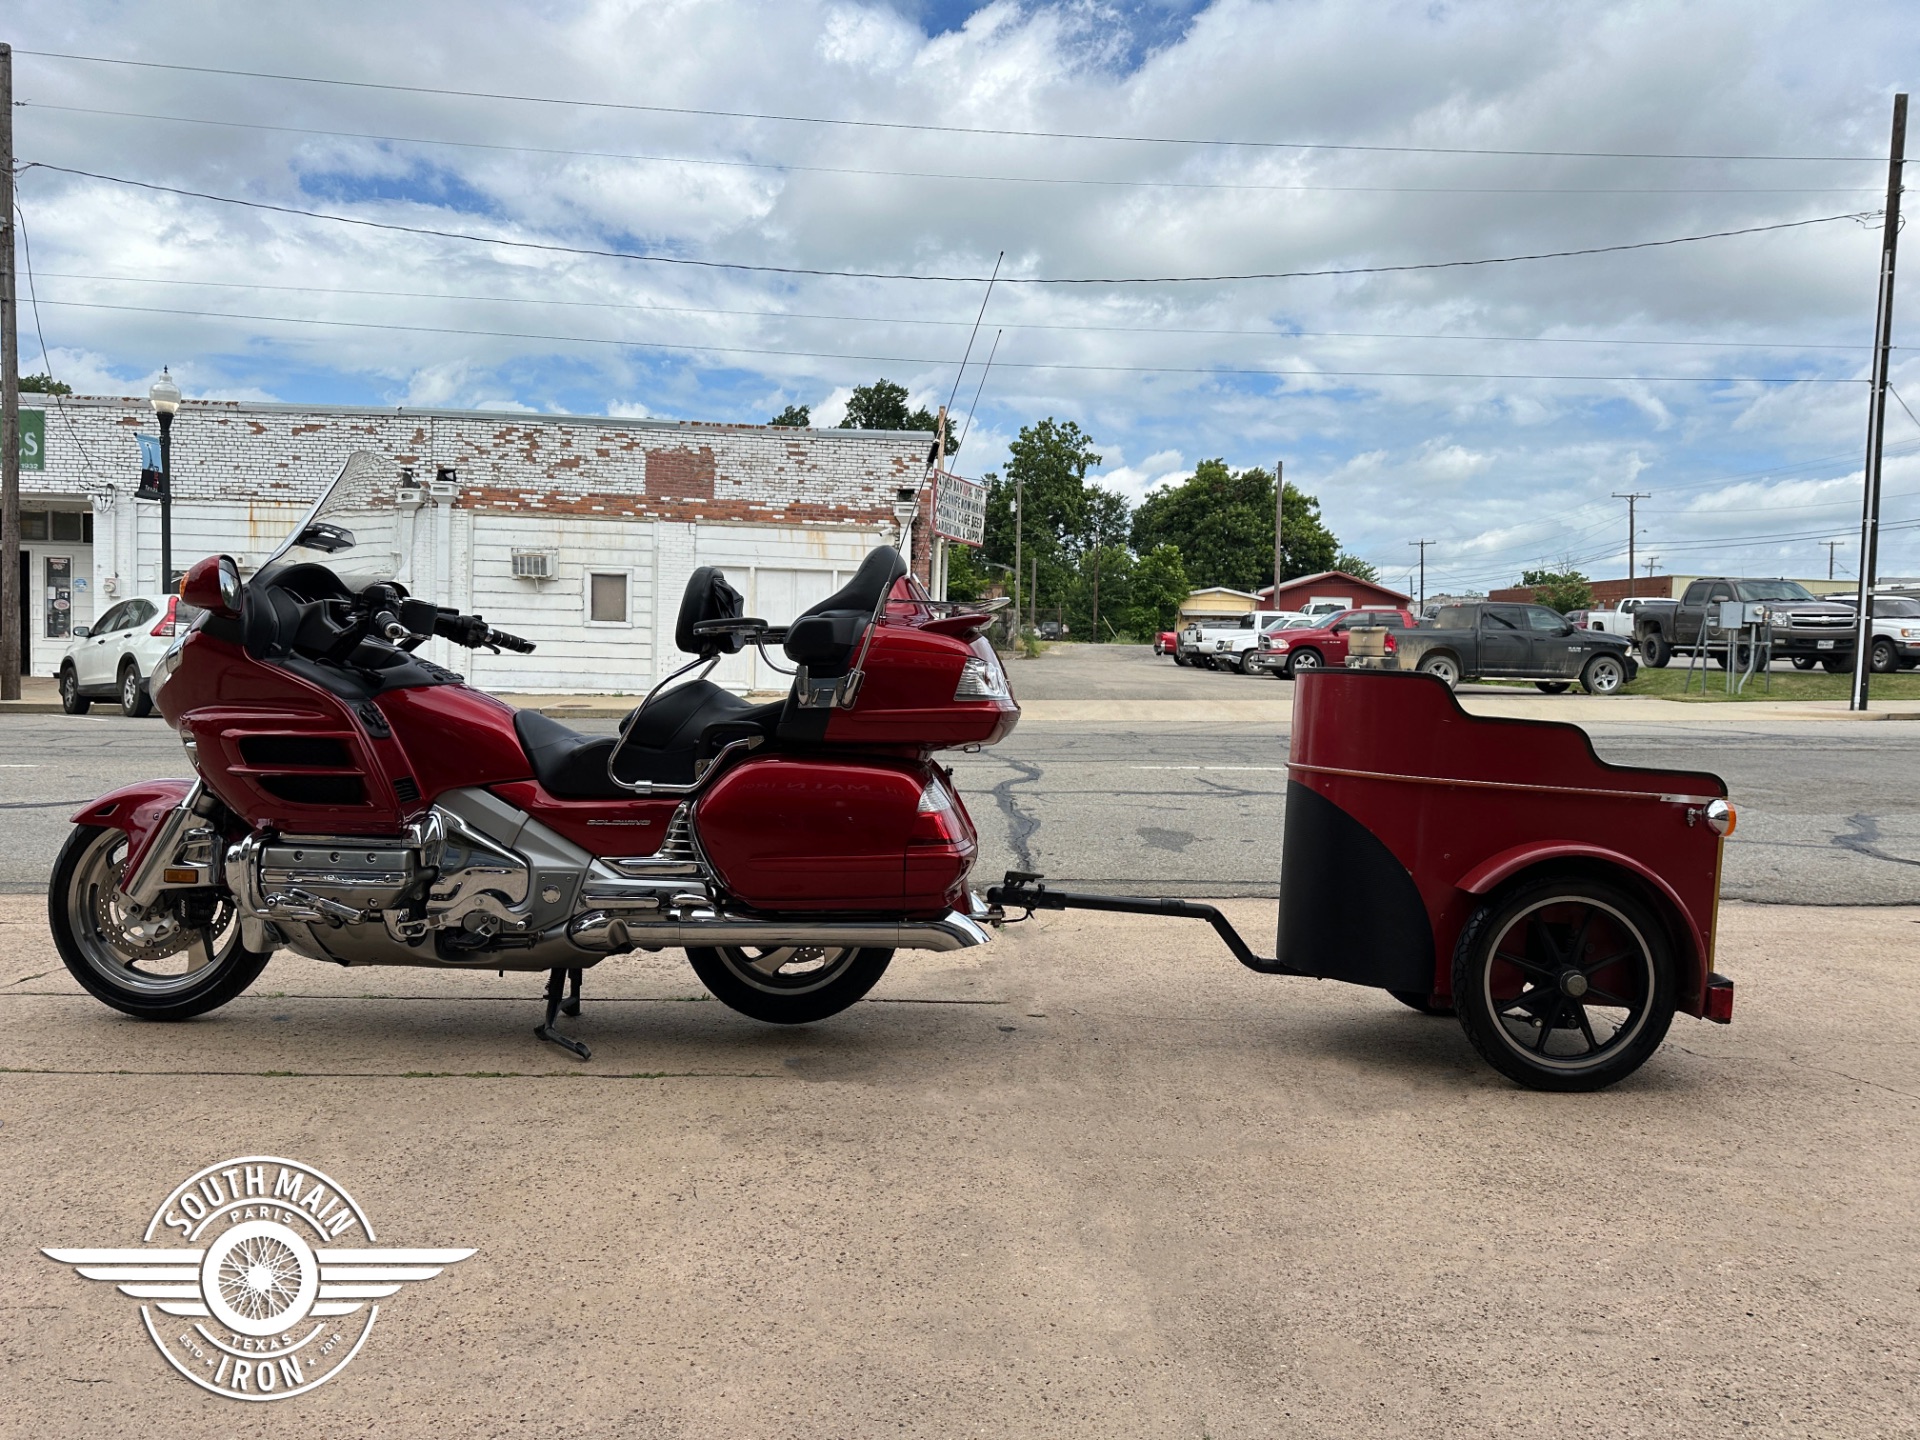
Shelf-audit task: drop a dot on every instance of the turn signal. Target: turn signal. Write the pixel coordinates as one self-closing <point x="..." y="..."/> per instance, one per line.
<point x="1721" y="817"/>
<point x="936" y="821"/>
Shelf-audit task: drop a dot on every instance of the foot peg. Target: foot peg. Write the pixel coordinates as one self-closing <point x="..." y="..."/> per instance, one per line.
<point x="557" y="981"/>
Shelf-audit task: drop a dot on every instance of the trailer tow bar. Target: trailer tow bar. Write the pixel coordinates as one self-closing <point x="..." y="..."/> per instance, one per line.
<point x="1026" y="890"/>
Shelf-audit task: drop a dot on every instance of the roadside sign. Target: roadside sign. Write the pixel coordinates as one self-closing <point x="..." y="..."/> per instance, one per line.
<point x="959" y="508"/>
<point x="33" y="439"/>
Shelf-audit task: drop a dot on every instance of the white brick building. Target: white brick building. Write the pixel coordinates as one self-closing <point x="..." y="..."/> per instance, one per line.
<point x="624" y="510"/>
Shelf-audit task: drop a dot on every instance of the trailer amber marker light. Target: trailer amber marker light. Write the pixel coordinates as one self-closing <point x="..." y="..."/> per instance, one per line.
<point x="1721" y="816"/>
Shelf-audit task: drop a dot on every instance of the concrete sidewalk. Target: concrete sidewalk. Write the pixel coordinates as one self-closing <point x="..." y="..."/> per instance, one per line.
<point x="1095" y="1180"/>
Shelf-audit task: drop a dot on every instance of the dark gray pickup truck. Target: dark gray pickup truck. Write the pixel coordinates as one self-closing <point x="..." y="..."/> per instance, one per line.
<point x="1491" y="641"/>
<point x="1803" y="628"/>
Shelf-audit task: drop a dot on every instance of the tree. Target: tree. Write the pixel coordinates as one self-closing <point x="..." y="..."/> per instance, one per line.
<point x="1047" y="469"/>
<point x="1563" y="590"/>
<point x="44" y="385"/>
<point x="1222" y="523"/>
<point x="883" y="406"/>
<point x="798" y="417"/>
<point x="1356" y="567"/>
<point x="1157" y="589"/>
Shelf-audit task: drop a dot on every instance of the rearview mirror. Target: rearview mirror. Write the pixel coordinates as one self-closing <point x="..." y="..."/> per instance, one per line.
<point x="81" y="632"/>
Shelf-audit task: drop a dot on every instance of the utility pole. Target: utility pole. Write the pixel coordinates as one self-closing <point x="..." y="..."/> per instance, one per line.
<point x="1019" y="533"/>
<point x="1279" y="528"/>
<point x="1631" y="497"/>
<point x="1034" y="611"/>
<point x="11" y="598"/>
<point x="1422" y="544"/>
<point x="1832" y="545"/>
<point x="1877" y="410"/>
<point x="1652" y="560"/>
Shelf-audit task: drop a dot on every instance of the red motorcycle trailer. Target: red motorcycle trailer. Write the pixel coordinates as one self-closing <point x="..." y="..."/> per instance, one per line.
<point x="1562" y="907"/>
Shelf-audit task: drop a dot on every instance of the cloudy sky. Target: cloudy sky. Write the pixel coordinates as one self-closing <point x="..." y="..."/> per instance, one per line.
<point x="1492" y="409"/>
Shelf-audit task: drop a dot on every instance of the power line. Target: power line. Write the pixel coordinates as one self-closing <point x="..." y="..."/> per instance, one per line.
<point x="1269" y="334"/>
<point x="944" y="175"/>
<point x="924" y="127"/>
<point x="553" y="247"/>
<point x="1304" y="374"/>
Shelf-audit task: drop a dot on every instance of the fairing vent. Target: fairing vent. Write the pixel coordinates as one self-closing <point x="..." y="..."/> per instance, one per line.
<point x="315" y="789"/>
<point x="272" y="751"/>
<point x="405" y="790"/>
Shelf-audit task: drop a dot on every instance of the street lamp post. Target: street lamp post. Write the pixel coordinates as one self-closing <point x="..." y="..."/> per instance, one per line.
<point x="165" y="396"/>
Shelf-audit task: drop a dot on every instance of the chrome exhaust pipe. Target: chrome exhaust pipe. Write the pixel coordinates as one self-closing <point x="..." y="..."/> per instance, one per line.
<point x="603" y="932"/>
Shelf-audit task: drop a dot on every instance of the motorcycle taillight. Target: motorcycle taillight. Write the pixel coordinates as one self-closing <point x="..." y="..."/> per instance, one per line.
<point x="937" y="821"/>
<point x="165" y="627"/>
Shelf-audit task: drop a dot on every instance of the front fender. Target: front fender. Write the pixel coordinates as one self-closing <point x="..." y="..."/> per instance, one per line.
<point x="138" y="810"/>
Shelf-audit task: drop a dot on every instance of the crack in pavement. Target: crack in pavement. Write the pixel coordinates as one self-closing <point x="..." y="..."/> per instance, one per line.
<point x="1865" y="840"/>
<point x="1021" y="827"/>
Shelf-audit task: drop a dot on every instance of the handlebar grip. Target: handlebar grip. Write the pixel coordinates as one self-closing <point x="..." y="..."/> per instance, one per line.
<point x="509" y="642"/>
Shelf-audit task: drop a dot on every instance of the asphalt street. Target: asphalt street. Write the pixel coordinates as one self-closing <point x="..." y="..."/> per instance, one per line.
<point x="1829" y="811"/>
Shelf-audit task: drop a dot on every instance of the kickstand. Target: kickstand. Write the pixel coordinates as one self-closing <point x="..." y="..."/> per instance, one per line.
<point x="571" y="1005"/>
<point x="556" y="981"/>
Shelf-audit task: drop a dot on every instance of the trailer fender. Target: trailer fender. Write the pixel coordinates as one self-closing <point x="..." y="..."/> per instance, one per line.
<point x="1491" y="873"/>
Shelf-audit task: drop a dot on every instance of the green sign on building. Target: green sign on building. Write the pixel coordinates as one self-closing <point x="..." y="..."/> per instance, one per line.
<point x="33" y="439"/>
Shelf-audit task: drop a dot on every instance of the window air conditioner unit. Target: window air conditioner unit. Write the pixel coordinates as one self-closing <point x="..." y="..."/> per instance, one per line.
<point x="533" y="564"/>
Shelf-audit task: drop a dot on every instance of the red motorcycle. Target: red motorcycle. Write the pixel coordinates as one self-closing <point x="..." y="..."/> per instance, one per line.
<point x="356" y="803"/>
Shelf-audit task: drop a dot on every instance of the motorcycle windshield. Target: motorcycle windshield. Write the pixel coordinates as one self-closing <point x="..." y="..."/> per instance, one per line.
<point x="353" y="528"/>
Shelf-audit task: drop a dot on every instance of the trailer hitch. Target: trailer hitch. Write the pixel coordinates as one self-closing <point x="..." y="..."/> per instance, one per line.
<point x="1027" y="890"/>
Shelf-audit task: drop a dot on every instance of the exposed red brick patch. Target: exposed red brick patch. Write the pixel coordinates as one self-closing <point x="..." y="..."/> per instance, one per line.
<point x="680" y="474"/>
<point x="315" y="427"/>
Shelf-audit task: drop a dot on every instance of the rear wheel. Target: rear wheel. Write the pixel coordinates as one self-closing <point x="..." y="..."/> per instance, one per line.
<point x="1655" y="650"/>
<point x="182" y="959"/>
<point x="1442" y="667"/>
<point x="1604" y="675"/>
<point x="71" y="700"/>
<point x="1180" y="659"/>
<point x="1564" y="984"/>
<point x="788" y="984"/>
<point x="134" y="700"/>
<point x="1553" y="687"/>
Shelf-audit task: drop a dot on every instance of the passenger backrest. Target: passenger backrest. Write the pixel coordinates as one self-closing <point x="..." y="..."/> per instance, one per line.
<point x="708" y="597"/>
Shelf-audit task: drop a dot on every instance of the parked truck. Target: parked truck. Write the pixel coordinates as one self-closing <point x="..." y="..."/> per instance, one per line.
<point x="1803" y="629"/>
<point x="1487" y="640"/>
<point x="1232" y="645"/>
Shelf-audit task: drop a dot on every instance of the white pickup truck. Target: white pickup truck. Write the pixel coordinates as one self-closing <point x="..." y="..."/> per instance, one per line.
<point x="1234" y="646"/>
<point x="1618" y="621"/>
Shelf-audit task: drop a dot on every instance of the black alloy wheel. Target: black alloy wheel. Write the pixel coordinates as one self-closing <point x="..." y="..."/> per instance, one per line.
<point x="181" y="959"/>
<point x="1655" y="651"/>
<point x="788" y="984"/>
<point x="134" y="700"/>
<point x="1553" y="687"/>
<point x="71" y="700"/>
<point x="1885" y="658"/>
<point x="1564" y="984"/>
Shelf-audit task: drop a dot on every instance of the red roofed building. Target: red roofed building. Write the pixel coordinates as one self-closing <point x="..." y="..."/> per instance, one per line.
<point x="1349" y="590"/>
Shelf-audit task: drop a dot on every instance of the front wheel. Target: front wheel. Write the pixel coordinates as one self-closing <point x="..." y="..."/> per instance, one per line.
<point x="182" y="959"/>
<point x="1564" y="984"/>
<point x="1180" y="659"/>
<point x="1886" y="659"/>
<point x="71" y="700"/>
<point x="1250" y="662"/>
<point x="1442" y="667"/>
<point x="788" y="984"/>
<point x="1803" y="662"/>
<point x="1604" y="675"/>
<point x="1303" y="660"/>
<point x="1837" y="667"/>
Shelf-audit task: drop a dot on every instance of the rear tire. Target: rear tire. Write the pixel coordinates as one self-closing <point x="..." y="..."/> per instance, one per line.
<point x="789" y="984"/>
<point x="1655" y="651"/>
<point x="149" y="982"/>
<point x="135" y="702"/>
<point x="1553" y="687"/>
<point x="1442" y="667"/>
<point x="71" y="700"/>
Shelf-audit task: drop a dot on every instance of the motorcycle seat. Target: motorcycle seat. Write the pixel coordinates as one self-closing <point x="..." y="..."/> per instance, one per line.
<point x="683" y="726"/>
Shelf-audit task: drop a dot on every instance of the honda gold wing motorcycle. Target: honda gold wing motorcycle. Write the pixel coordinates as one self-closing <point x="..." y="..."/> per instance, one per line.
<point x="356" y="803"/>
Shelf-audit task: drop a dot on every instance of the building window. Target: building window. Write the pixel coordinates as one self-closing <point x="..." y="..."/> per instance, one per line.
<point x="607" y="598"/>
<point x="67" y="527"/>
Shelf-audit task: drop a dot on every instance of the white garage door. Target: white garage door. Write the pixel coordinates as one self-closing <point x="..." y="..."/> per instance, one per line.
<point x="777" y="597"/>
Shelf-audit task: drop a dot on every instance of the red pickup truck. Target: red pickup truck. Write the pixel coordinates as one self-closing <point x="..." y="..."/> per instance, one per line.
<point x="1284" y="651"/>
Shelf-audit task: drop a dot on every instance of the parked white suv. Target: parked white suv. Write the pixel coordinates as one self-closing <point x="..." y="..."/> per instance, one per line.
<point x="112" y="659"/>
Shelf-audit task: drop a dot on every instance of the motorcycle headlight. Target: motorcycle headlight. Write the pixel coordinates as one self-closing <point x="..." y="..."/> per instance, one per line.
<point x="982" y="680"/>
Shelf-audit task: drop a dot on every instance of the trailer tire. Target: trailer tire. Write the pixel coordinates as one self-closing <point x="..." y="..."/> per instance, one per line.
<point x="1534" y="1002"/>
<point x="780" y="998"/>
<point x="1655" y="650"/>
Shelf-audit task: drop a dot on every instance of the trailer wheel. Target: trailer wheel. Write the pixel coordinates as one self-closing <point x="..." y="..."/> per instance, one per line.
<point x="1564" y="984"/>
<point x="1421" y="1001"/>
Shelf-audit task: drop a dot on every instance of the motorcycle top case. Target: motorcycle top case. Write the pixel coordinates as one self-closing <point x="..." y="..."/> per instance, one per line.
<point x="908" y="696"/>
